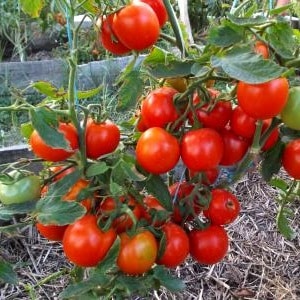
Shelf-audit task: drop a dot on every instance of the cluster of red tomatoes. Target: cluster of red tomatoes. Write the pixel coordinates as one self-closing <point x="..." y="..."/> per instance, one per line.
<point x="135" y="27"/>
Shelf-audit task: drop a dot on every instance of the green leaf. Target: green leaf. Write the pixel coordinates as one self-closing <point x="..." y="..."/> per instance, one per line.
<point x="157" y="187"/>
<point x="225" y="35"/>
<point x="7" y="273"/>
<point x="89" y="93"/>
<point x="131" y="172"/>
<point x="279" y="10"/>
<point x="281" y="38"/>
<point x="48" y="89"/>
<point x="91" y="7"/>
<point x="173" y="284"/>
<point x="26" y="130"/>
<point x="32" y="7"/>
<point x="271" y="163"/>
<point x="8" y="211"/>
<point x="44" y="120"/>
<point x="248" y="22"/>
<point x="279" y="184"/>
<point x="283" y="224"/>
<point x="242" y="64"/>
<point x="116" y="189"/>
<point x="97" y="169"/>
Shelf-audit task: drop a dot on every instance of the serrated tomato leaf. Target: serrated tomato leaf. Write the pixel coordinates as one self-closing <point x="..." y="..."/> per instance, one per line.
<point x="283" y="224"/>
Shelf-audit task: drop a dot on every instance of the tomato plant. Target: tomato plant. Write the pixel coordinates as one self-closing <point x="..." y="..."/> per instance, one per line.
<point x="151" y="207"/>
<point x="176" y="247"/>
<point x="210" y="245"/>
<point x="202" y="149"/>
<point x="153" y="145"/>
<point x="264" y="100"/>
<point x="137" y="253"/>
<point x="46" y="152"/>
<point x="101" y="138"/>
<point x="85" y="244"/>
<point x="223" y="207"/>
<point x="136" y="26"/>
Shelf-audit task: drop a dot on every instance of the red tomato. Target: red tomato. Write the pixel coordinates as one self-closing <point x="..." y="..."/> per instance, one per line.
<point x="235" y="147"/>
<point x="44" y="151"/>
<point x="124" y="221"/>
<point x="108" y="38"/>
<point x="291" y="158"/>
<point x="262" y="49"/>
<point x="85" y="244"/>
<point x="51" y="232"/>
<point x="137" y="253"/>
<point x="74" y="192"/>
<point x="157" y="151"/>
<point x="242" y="124"/>
<point x="210" y="245"/>
<point x="176" y="246"/>
<point x="273" y="137"/>
<point x="213" y="115"/>
<point x="202" y="149"/>
<point x="160" y="10"/>
<point x="158" y="108"/>
<point x="185" y="207"/>
<point x="151" y="203"/>
<point x="223" y="208"/>
<point x="101" y="138"/>
<point x="58" y="169"/>
<point x="136" y="26"/>
<point x="263" y="100"/>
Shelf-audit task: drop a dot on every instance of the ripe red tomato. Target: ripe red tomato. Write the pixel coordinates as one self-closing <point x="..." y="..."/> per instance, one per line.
<point x="137" y="253"/>
<point x="108" y="38"/>
<point x="273" y="137"/>
<point x="158" y="108"/>
<point x="152" y="203"/>
<point x="202" y="149"/>
<point x="157" y="151"/>
<point x="264" y="100"/>
<point x="291" y="158"/>
<point x="242" y="124"/>
<point x="124" y="221"/>
<point x="136" y="26"/>
<point x="85" y="244"/>
<point x="176" y="246"/>
<point x="262" y="49"/>
<point x="101" y="138"/>
<point x="44" y="151"/>
<point x="224" y="207"/>
<point x="185" y="207"/>
<point x="213" y="115"/>
<point x="74" y="192"/>
<point x="210" y="245"/>
<point x="160" y="10"/>
<point x="235" y="147"/>
<point x="51" y="232"/>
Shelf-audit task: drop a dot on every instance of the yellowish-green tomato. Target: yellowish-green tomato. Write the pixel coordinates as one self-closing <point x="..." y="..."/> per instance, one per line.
<point x="290" y="114"/>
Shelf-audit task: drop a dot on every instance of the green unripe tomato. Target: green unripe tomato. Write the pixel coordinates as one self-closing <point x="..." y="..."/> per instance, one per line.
<point x="22" y="190"/>
<point x="290" y="114"/>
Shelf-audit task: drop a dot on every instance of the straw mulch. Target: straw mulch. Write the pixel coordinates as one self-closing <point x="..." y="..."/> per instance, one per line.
<point x="261" y="264"/>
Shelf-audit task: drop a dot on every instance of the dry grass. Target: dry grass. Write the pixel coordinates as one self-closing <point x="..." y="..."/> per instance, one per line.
<point x="261" y="264"/>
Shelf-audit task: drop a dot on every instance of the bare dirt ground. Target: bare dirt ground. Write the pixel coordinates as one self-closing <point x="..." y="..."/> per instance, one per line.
<point x="261" y="264"/>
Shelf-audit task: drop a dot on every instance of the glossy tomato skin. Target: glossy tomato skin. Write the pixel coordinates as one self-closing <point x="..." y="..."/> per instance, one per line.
<point x="235" y="147"/>
<point x="176" y="248"/>
<point x="184" y="209"/>
<point x="263" y="100"/>
<point x="101" y="138"/>
<point x="137" y="253"/>
<point x="262" y="49"/>
<point x="210" y="245"/>
<point x="291" y="158"/>
<point x="273" y="137"/>
<point x="242" y="124"/>
<point x="291" y="111"/>
<point x="52" y="232"/>
<point x="159" y="8"/>
<point x="136" y="26"/>
<point x="157" y="151"/>
<point x="158" y="107"/>
<point x="202" y="149"/>
<point x="85" y="244"/>
<point x="124" y="221"/>
<point x="42" y="150"/>
<point x="224" y="207"/>
<point x="108" y="38"/>
<point x="215" y="115"/>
